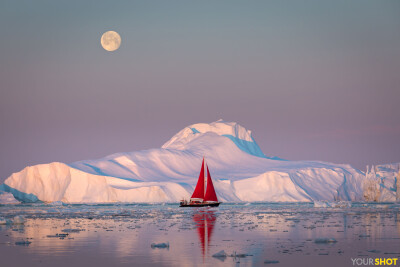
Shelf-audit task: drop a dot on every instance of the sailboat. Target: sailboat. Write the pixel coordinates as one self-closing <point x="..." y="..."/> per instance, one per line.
<point x="199" y="198"/>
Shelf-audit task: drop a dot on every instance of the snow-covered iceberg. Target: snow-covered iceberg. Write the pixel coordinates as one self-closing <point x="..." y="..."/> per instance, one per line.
<point x="240" y="170"/>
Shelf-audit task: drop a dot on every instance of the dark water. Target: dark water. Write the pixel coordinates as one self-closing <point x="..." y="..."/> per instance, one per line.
<point x="121" y="234"/>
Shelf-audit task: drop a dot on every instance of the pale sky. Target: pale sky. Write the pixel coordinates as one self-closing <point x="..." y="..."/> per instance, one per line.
<point x="313" y="80"/>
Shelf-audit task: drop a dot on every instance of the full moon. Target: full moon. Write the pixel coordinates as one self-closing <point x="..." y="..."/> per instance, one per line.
<point x="110" y="41"/>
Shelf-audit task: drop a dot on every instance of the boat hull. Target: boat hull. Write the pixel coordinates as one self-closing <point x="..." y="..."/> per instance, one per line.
<point x="182" y="205"/>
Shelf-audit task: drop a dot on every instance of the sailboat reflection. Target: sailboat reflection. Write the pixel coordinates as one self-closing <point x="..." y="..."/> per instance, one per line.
<point x="205" y="221"/>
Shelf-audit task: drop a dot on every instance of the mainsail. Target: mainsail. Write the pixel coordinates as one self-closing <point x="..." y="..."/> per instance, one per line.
<point x="198" y="193"/>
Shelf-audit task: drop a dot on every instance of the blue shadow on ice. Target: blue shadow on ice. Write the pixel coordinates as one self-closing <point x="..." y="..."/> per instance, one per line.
<point x="20" y="196"/>
<point x="249" y="147"/>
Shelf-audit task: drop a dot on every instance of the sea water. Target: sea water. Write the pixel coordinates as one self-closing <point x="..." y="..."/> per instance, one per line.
<point x="249" y="234"/>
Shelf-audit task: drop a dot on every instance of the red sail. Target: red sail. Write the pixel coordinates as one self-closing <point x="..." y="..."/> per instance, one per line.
<point x="199" y="190"/>
<point x="210" y="192"/>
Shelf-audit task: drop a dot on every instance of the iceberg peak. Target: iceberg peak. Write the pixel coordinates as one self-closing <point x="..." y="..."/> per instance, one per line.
<point x="232" y="130"/>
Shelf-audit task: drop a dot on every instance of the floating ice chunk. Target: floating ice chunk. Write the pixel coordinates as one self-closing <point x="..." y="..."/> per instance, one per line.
<point x="160" y="245"/>
<point x="332" y="204"/>
<point x="325" y="240"/>
<point x="58" y="203"/>
<point x="343" y="204"/>
<point x="23" y="243"/>
<point x="364" y="235"/>
<point x="18" y="220"/>
<point x="239" y="255"/>
<point x="321" y="204"/>
<point x="270" y="261"/>
<point x="220" y="254"/>
<point x="71" y="230"/>
<point x="58" y="235"/>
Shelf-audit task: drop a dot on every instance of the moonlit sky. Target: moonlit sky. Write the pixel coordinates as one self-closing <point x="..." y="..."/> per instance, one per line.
<point x="313" y="80"/>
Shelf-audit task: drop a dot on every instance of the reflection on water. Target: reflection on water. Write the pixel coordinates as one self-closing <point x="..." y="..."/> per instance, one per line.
<point x="205" y="220"/>
<point x="122" y="234"/>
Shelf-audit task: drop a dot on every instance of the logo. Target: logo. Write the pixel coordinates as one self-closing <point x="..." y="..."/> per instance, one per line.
<point x="376" y="261"/>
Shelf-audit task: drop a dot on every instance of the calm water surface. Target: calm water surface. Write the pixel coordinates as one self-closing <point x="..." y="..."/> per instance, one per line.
<point x="122" y="234"/>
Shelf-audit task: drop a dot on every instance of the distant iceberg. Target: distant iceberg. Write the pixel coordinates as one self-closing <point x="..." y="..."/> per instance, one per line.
<point x="7" y="198"/>
<point x="241" y="172"/>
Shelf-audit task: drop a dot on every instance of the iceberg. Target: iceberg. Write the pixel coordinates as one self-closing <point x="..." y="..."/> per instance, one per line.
<point x="7" y="198"/>
<point x="241" y="171"/>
